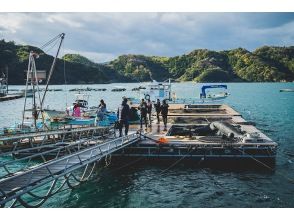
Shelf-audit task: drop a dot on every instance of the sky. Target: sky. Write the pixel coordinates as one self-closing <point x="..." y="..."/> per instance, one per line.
<point x="102" y="37"/>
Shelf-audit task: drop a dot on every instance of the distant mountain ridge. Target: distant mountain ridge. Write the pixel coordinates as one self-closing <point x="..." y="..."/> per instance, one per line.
<point x="265" y="64"/>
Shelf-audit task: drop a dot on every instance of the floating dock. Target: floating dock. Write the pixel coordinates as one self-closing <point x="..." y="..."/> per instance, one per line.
<point x="201" y="135"/>
<point x="10" y="97"/>
<point x="209" y="135"/>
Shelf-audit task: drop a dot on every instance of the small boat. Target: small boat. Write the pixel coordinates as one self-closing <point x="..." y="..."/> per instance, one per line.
<point x="82" y="101"/>
<point x="118" y="89"/>
<point x="213" y="96"/>
<point x="138" y="88"/>
<point x="156" y="90"/>
<point x="103" y="89"/>
<point x="286" y="90"/>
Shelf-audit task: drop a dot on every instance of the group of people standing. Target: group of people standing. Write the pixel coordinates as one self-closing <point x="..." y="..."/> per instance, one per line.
<point x="145" y="108"/>
<point x="146" y="112"/>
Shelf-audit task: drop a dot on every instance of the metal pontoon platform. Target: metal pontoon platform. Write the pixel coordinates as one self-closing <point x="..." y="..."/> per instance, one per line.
<point x="203" y="149"/>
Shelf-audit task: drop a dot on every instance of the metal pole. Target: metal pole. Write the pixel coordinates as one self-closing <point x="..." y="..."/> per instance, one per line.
<point x="25" y="101"/>
<point x="52" y="69"/>
<point x="6" y="80"/>
<point x="34" y="110"/>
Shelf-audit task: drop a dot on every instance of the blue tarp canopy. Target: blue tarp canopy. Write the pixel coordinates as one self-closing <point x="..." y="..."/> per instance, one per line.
<point x="203" y="94"/>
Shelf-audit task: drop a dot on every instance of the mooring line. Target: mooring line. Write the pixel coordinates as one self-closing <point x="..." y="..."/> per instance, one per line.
<point x="266" y="166"/>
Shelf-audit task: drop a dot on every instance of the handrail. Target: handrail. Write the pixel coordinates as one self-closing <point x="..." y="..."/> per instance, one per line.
<point x="45" y="133"/>
<point x="46" y="164"/>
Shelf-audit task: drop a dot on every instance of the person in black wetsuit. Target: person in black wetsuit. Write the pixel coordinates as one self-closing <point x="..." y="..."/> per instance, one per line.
<point x="123" y="117"/>
<point x="143" y="110"/>
<point x="164" y="113"/>
<point x="149" y="111"/>
<point x="157" y="107"/>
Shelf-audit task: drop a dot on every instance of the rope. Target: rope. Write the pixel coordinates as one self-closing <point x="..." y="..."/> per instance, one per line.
<point x="171" y="166"/>
<point x="268" y="167"/>
<point x="165" y="170"/>
<point x="51" y="47"/>
<point x="51" y="192"/>
<point x="64" y="75"/>
<point x="56" y="192"/>
<point x="145" y="136"/>
<point x="107" y="161"/>
<point x="44" y="199"/>
<point x="260" y="162"/>
<point x="50" y="42"/>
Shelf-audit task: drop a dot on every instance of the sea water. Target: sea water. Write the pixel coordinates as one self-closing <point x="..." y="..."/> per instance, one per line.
<point x="148" y="186"/>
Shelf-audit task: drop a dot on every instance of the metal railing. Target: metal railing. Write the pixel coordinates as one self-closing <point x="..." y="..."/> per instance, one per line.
<point x="18" y="184"/>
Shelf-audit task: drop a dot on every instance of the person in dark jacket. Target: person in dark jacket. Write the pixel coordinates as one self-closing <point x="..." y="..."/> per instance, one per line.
<point x="157" y="107"/>
<point x="149" y="111"/>
<point x="164" y="113"/>
<point x="143" y="112"/>
<point x="123" y="116"/>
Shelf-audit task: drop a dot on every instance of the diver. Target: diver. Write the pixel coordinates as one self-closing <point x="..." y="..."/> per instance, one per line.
<point x="164" y="113"/>
<point x="149" y="111"/>
<point x="157" y="107"/>
<point x="143" y="110"/>
<point x="123" y="117"/>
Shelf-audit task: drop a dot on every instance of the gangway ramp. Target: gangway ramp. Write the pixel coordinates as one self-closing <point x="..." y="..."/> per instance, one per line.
<point x="20" y="183"/>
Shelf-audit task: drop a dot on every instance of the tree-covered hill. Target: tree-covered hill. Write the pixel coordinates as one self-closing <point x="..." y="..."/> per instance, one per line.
<point x="76" y="70"/>
<point x="265" y="64"/>
<point x="140" y="68"/>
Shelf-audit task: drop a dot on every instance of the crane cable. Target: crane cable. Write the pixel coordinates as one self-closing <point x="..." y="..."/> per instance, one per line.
<point x="50" y="41"/>
<point x="64" y="75"/>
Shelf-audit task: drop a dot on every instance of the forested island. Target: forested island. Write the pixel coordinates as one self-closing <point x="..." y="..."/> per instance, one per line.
<point x="265" y="64"/>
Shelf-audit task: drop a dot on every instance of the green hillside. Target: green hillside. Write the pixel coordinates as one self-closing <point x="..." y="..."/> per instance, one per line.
<point x="265" y="64"/>
<point x="76" y="71"/>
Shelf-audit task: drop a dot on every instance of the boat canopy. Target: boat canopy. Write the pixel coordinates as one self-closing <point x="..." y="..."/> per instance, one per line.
<point x="203" y="94"/>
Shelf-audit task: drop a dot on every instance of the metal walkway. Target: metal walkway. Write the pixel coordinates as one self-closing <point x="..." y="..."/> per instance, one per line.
<point x="13" y="187"/>
<point x="10" y="143"/>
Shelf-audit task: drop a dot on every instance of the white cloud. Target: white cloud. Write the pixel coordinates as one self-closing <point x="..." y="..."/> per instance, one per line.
<point x="103" y="36"/>
<point x="10" y="23"/>
<point x="65" y="20"/>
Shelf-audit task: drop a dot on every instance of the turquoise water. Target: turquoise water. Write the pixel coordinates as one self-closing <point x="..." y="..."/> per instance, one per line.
<point x="147" y="186"/>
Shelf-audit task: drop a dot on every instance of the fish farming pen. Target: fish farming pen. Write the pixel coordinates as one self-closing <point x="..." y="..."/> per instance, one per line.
<point x="204" y="135"/>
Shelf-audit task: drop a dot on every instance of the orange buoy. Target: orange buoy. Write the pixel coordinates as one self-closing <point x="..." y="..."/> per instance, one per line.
<point x="162" y="140"/>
